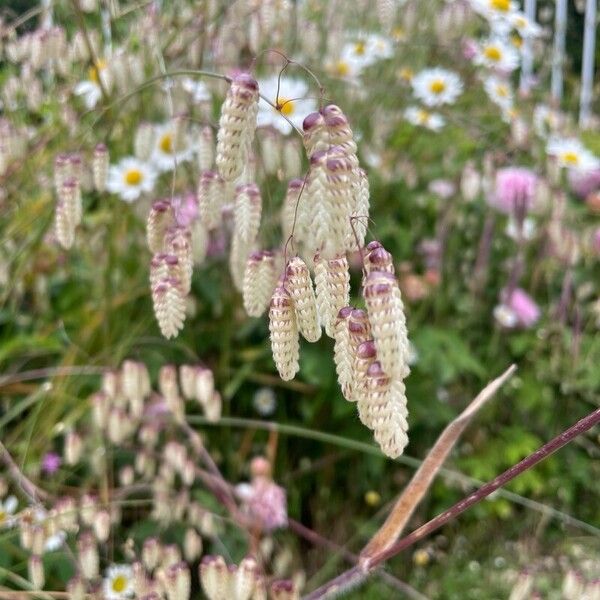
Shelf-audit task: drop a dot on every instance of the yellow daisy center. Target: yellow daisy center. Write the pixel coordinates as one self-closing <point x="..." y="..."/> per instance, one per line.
<point x="2" y="516"/>
<point x="133" y="177"/>
<point x="520" y="23"/>
<point x="502" y="91"/>
<point x="285" y="107"/>
<point x="517" y="41"/>
<point x="93" y="72"/>
<point x="571" y="158"/>
<point x="359" y="48"/>
<point x="166" y="143"/>
<point x="342" y="68"/>
<point x="398" y="33"/>
<point x="119" y="583"/>
<point x="406" y="74"/>
<point x="500" y="5"/>
<point x="493" y="53"/>
<point x="437" y="86"/>
<point x="372" y="498"/>
<point x="423" y="117"/>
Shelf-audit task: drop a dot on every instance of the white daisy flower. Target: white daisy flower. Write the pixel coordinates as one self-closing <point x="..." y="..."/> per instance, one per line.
<point x="168" y="151"/>
<point x="265" y="401"/>
<point x="505" y="316"/>
<point x="197" y="89"/>
<point x="499" y="91"/>
<point x="89" y="89"/>
<point x="494" y="9"/>
<point x="516" y="231"/>
<point x="419" y="116"/>
<point x="436" y="86"/>
<point x="495" y="53"/>
<point x="523" y="25"/>
<point x="130" y="178"/>
<point x="118" y="583"/>
<point x="287" y="95"/>
<point x="8" y="506"/>
<point x="572" y="154"/>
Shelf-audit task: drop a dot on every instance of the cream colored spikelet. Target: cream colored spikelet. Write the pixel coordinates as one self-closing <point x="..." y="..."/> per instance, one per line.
<point x="160" y="219"/>
<point x="284" y="334"/>
<point x="342" y="356"/>
<point x="299" y="286"/>
<point x="332" y="286"/>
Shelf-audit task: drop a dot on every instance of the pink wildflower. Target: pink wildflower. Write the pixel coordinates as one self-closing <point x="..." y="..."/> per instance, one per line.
<point x="515" y="190"/>
<point x="523" y="306"/>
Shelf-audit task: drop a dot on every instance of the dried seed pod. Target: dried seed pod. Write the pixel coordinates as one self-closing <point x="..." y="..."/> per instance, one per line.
<point x="169" y="306"/>
<point x="342" y="356"/>
<point x="178" y="243"/>
<point x="160" y="218"/>
<point x="315" y="136"/>
<point x="206" y="149"/>
<point x="284" y="589"/>
<point x="291" y="205"/>
<point x="210" y="193"/>
<point x="246" y="212"/>
<point x="62" y="171"/>
<point x="292" y="160"/>
<point x="242" y="580"/>
<point x="299" y="286"/>
<point x="271" y="152"/>
<point x="332" y="285"/>
<point x="70" y="197"/>
<point x="238" y="256"/>
<point x="388" y="323"/>
<point x="284" y="334"/>
<point x="143" y="141"/>
<point x="386" y="12"/>
<point x="100" y="164"/>
<point x="37" y="576"/>
<point x="236" y="126"/>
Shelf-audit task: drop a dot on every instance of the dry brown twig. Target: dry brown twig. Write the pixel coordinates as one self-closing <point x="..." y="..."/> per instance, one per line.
<point x="413" y="493"/>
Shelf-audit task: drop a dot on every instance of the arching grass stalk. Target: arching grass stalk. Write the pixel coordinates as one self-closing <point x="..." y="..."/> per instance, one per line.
<point x="357" y="575"/>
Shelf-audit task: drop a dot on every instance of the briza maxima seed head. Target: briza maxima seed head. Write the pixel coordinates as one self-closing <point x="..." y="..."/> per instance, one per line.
<point x="388" y="323"/>
<point x="332" y="286"/>
<point x="284" y="334"/>
<point x="246" y="212"/>
<point x="342" y="354"/>
<point x="299" y="286"/>
<point x="160" y="218"/>
<point x="236" y="126"/>
<point x="260" y="279"/>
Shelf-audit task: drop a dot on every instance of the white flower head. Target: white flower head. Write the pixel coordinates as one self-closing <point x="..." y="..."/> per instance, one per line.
<point x="89" y="89"/>
<point x="288" y="95"/>
<point x="437" y="86"/>
<point x="524" y="26"/>
<point x="545" y="120"/>
<point x="130" y="178"/>
<point x="494" y="9"/>
<point x="572" y="154"/>
<point x="8" y="506"/>
<point x="421" y="117"/>
<point x="495" y="53"/>
<point x="265" y="401"/>
<point x="499" y="91"/>
<point x="118" y="583"/>
<point x="525" y="230"/>
<point x="169" y="149"/>
<point x="505" y="316"/>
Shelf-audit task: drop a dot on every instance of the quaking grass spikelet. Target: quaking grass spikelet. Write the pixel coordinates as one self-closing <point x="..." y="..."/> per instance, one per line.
<point x="260" y="279"/>
<point x="211" y="193"/>
<point x="332" y="286"/>
<point x="284" y="334"/>
<point x="247" y="211"/>
<point x="160" y="218"/>
<point x="100" y="164"/>
<point x="299" y="286"/>
<point x="236" y="126"/>
<point x="342" y="355"/>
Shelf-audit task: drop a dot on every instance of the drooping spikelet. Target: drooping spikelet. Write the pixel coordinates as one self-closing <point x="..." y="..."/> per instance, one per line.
<point x="330" y="199"/>
<point x="178" y="243"/>
<point x="160" y="218"/>
<point x="247" y="211"/>
<point x="70" y="196"/>
<point x="167" y="294"/>
<point x="360" y="214"/>
<point x="65" y="233"/>
<point x="236" y="126"/>
<point x="377" y="258"/>
<point x="200" y="240"/>
<point x="366" y="355"/>
<point x="291" y="210"/>
<point x="284" y="334"/>
<point x="238" y="257"/>
<point x="299" y="286"/>
<point x="206" y="149"/>
<point x="211" y="191"/>
<point x="342" y="356"/>
<point x="332" y="285"/>
<point x="388" y="323"/>
<point x="100" y="164"/>
<point x="385" y="411"/>
<point x="252" y="293"/>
